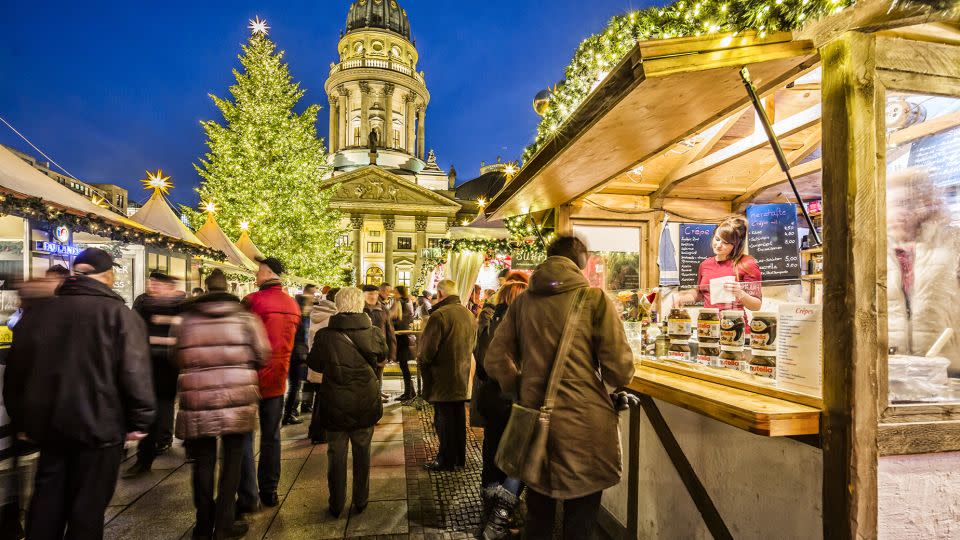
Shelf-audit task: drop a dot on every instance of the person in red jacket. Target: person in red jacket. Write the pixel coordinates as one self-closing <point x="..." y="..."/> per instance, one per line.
<point x="280" y="315"/>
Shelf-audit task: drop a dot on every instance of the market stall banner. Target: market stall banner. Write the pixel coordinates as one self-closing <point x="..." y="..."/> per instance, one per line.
<point x="772" y="240"/>
<point x="695" y="240"/>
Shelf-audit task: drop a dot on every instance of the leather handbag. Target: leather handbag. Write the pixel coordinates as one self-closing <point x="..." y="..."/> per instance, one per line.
<point x="523" y="449"/>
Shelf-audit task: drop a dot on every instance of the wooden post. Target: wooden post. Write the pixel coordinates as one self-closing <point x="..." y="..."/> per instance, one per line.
<point x="853" y="176"/>
<point x="564" y="224"/>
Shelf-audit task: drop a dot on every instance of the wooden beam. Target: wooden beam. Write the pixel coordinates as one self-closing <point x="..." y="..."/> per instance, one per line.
<point x="854" y="277"/>
<point x="774" y="175"/>
<point x="918" y="57"/>
<point x="786" y="127"/>
<point x="918" y="438"/>
<point x="798" y="171"/>
<point x="916" y="131"/>
<point x="712" y="136"/>
<point x="872" y="16"/>
<point x="923" y="84"/>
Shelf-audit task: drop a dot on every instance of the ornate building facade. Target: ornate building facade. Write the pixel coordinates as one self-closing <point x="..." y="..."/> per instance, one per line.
<point x="395" y="199"/>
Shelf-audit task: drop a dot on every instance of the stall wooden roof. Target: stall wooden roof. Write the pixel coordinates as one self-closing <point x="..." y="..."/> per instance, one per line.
<point x="661" y="93"/>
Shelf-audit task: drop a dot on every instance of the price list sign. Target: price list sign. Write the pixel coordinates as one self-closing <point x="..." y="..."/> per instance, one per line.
<point x="695" y="239"/>
<point x="772" y="239"/>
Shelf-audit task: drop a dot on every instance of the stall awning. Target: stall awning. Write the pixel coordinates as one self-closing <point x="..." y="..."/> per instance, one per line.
<point x="158" y="215"/>
<point x="20" y="179"/>
<point x="212" y="235"/>
<point x="659" y="94"/>
<point x="247" y="247"/>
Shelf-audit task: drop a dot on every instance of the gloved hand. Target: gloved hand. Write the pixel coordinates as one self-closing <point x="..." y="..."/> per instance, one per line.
<point x="624" y="400"/>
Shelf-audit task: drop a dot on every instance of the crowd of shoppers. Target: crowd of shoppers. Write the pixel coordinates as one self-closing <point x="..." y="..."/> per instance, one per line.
<point x="237" y="366"/>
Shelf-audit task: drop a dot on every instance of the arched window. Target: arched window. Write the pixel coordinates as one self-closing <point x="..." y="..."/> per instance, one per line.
<point x="374" y="276"/>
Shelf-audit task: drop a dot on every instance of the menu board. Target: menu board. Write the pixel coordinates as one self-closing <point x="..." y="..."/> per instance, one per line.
<point x="695" y="240"/>
<point x="939" y="154"/>
<point x="772" y="238"/>
<point x="800" y="348"/>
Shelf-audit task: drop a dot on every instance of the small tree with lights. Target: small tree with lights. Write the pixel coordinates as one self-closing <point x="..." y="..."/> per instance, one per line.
<point x="265" y="165"/>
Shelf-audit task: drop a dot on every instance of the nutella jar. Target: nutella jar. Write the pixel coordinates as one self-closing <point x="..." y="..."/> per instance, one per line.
<point x="732" y="325"/>
<point x="679" y="324"/>
<point x="764" y="364"/>
<point x="763" y="331"/>
<point x="680" y="350"/>
<point x="733" y="358"/>
<point x="708" y="325"/>
<point x="708" y="354"/>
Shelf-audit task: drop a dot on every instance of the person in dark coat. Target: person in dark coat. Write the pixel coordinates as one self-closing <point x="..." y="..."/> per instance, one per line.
<point x="377" y="310"/>
<point x="599" y="359"/>
<point x="219" y="347"/>
<point x="78" y="384"/>
<point x="346" y="353"/>
<point x="446" y="348"/>
<point x="159" y="307"/>
<point x="401" y="314"/>
<point x="298" y="369"/>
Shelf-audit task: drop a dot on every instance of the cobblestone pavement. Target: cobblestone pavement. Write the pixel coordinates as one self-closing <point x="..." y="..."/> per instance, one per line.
<point x="406" y="501"/>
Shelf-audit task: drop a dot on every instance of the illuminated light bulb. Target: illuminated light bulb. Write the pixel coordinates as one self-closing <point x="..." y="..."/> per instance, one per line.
<point x="244" y="225"/>
<point x="724" y="8"/>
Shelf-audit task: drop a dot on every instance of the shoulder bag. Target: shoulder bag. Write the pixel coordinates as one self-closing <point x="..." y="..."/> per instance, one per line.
<point x="523" y="449"/>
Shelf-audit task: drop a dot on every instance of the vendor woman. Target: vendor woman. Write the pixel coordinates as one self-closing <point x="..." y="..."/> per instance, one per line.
<point x="736" y="275"/>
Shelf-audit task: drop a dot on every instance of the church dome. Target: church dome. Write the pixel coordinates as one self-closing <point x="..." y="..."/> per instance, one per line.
<point x="385" y="14"/>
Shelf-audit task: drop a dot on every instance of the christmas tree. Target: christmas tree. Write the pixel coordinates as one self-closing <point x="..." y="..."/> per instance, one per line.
<point x="265" y="165"/>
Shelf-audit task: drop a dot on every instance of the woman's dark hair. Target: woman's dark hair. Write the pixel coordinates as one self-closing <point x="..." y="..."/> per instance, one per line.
<point x="733" y="230"/>
<point x="403" y="292"/>
<point x="332" y="293"/>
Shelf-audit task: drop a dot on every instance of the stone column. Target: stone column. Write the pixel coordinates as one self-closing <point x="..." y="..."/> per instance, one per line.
<point x="344" y="131"/>
<point x="364" y="112"/>
<point x="356" y="227"/>
<point x="421" y="133"/>
<point x="333" y="136"/>
<point x="419" y="245"/>
<point x="389" y="223"/>
<point x="387" y="141"/>
<point x="409" y="121"/>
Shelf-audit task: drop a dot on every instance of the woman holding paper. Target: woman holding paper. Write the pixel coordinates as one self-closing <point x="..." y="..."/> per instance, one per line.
<point x="730" y="279"/>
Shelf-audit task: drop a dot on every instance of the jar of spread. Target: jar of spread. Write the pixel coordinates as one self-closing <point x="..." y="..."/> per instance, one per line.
<point x="764" y="364"/>
<point x="679" y="324"/>
<point x="763" y="331"/>
<point x="732" y="325"/>
<point x="708" y="325"/>
<point x="679" y="350"/>
<point x="732" y="358"/>
<point x="708" y="354"/>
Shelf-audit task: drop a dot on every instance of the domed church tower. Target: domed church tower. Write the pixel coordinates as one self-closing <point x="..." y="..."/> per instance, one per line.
<point x="376" y="88"/>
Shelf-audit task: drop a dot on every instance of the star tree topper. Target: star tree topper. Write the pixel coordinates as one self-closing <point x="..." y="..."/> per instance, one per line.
<point x="157" y="182"/>
<point x="258" y="26"/>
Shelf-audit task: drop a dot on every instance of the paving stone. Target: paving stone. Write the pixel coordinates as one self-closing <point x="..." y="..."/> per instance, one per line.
<point x="129" y="490"/>
<point x="384" y="454"/>
<point x="388" y="432"/>
<point x="303" y="514"/>
<point x="165" y="512"/>
<point x="380" y="517"/>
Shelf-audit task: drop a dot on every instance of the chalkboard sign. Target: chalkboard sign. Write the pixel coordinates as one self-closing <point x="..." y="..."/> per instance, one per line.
<point x="772" y="239"/>
<point x="940" y="155"/>
<point x="695" y="240"/>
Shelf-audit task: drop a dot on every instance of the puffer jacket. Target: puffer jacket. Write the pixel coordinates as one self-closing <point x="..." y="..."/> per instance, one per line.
<point x="599" y="360"/>
<point x="915" y="321"/>
<point x="219" y="347"/>
<point x="281" y="317"/>
<point x="319" y="317"/>
<point x="347" y="353"/>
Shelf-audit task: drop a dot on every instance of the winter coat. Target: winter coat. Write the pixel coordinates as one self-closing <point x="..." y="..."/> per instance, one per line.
<point x="491" y="406"/>
<point x="583" y="445"/>
<point x="380" y="317"/>
<point x="319" y="317"/>
<point x="915" y="325"/>
<point x="219" y="347"/>
<point x="79" y="369"/>
<point x="446" y="348"/>
<point x="281" y="317"/>
<point x="404" y="323"/>
<point x="161" y="314"/>
<point x="347" y="353"/>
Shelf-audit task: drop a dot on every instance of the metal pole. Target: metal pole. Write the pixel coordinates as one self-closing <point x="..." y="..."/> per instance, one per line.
<point x="777" y="150"/>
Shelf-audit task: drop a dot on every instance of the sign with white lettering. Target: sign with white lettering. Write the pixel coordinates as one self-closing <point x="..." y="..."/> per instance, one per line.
<point x="58" y="249"/>
<point x="772" y="240"/>
<point x="800" y="348"/>
<point x="695" y="246"/>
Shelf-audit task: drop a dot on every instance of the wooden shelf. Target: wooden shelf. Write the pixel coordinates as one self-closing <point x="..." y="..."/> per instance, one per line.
<point x="812" y="251"/>
<point x="750" y="411"/>
<point x="812" y="277"/>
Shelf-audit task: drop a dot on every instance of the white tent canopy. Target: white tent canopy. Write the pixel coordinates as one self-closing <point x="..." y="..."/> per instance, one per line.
<point x="158" y="215"/>
<point x="213" y="236"/>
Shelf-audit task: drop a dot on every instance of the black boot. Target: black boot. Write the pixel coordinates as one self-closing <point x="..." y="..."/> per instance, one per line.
<point x="498" y="522"/>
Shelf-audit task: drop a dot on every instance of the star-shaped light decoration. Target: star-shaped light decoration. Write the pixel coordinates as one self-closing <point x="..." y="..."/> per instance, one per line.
<point x="244" y="225"/>
<point x="99" y="201"/>
<point x="482" y="202"/>
<point x="510" y="170"/>
<point x="258" y="26"/>
<point x="157" y="182"/>
<point x="209" y="207"/>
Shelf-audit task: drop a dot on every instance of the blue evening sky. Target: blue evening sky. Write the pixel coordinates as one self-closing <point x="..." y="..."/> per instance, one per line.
<point x="110" y="89"/>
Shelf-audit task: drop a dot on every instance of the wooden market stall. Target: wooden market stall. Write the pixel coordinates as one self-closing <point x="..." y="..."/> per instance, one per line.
<point x="669" y="138"/>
